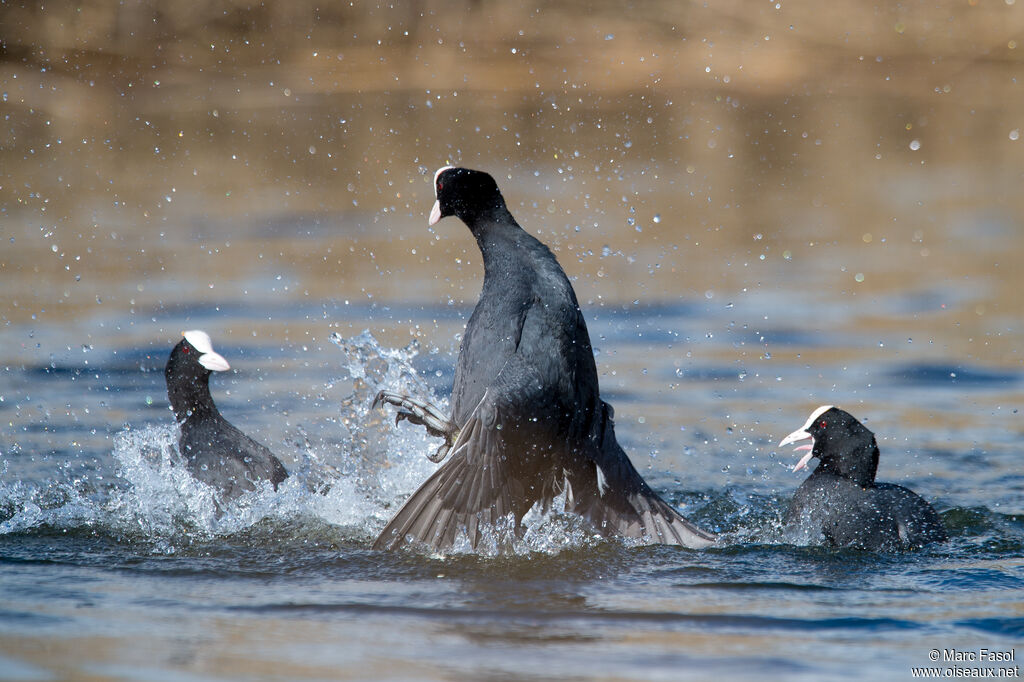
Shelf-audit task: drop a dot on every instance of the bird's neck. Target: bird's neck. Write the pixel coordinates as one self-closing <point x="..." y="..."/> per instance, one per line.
<point x="858" y="466"/>
<point x="194" y="401"/>
<point x="494" y="233"/>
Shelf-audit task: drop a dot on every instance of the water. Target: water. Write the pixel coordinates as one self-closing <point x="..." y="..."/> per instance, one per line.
<point x="749" y="237"/>
<point x="114" y="556"/>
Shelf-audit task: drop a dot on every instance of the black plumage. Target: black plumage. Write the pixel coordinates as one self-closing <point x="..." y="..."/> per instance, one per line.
<point x="216" y="452"/>
<point x="527" y="420"/>
<point x="841" y="503"/>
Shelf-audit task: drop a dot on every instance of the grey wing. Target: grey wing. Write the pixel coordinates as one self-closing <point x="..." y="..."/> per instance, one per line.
<point x="477" y="487"/>
<point x="226" y="458"/>
<point x="265" y="464"/>
<point x="917" y="521"/>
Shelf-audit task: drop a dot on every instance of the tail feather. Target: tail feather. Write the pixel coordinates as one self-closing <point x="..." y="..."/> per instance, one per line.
<point x="643" y="517"/>
<point x="671" y="528"/>
<point x="625" y="505"/>
<point x="475" y="490"/>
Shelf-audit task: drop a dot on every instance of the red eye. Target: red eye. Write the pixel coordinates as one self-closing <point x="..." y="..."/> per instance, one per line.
<point x="184" y="349"/>
<point x="823" y="424"/>
<point x="440" y="186"/>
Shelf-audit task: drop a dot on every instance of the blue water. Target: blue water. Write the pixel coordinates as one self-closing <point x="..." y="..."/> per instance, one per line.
<point x="763" y="208"/>
<point x="117" y="565"/>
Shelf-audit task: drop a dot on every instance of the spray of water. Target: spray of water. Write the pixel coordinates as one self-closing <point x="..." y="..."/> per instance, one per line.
<point x="352" y="469"/>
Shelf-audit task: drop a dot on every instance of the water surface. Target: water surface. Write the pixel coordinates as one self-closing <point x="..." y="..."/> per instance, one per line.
<point x="762" y="211"/>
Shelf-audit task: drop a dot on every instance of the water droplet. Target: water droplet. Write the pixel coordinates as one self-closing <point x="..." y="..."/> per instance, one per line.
<point x="656" y="218"/>
<point x="915" y="145"/>
<point x="859" y="277"/>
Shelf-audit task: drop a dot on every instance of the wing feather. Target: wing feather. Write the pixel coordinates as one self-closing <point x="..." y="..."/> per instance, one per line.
<point x="470" y="491"/>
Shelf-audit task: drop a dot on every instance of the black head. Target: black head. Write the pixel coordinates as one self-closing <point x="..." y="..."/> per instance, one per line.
<point x="188" y="373"/>
<point x="469" y="194"/>
<point x="845" y="446"/>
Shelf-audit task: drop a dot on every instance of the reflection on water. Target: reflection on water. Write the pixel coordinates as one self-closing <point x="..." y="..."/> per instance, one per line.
<point x="152" y="158"/>
<point x="764" y="207"/>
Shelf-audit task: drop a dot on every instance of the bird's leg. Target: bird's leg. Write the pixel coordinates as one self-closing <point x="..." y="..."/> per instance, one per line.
<point x="416" y="411"/>
<point x="423" y="414"/>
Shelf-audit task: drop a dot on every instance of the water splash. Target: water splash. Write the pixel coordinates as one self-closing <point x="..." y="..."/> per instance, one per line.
<point x="26" y="505"/>
<point x="159" y="498"/>
<point x="351" y="471"/>
<point x="387" y="460"/>
<point x="352" y="467"/>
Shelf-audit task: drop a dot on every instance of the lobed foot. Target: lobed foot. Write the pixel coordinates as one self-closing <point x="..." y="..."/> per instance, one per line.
<point x="422" y="414"/>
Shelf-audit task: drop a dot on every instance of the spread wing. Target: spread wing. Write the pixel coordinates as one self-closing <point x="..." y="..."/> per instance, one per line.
<point x="478" y="486"/>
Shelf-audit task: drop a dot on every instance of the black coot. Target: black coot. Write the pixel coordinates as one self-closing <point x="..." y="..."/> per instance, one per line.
<point x="840" y="501"/>
<point x="217" y="453"/>
<point x="527" y="421"/>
